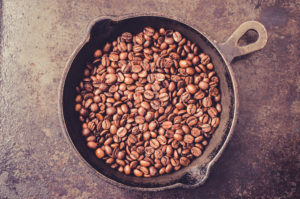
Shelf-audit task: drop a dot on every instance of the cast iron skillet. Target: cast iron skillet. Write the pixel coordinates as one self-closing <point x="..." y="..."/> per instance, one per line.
<point x="107" y="29"/>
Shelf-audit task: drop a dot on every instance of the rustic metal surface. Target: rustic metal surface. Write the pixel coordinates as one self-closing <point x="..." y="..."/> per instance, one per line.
<point x="36" y="161"/>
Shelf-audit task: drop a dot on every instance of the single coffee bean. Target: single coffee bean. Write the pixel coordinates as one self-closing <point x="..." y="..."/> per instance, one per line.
<point x="205" y="59"/>
<point x="219" y="107"/>
<point x="98" y="53"/>
<point x="167" y="125"/>
<point x="191" y="121"/>
<point x="106" y="124"/>
<point x="99" y="153"/>
<point x="191" y="109"/>
<point x="134" y="155"/>
<point x="127" y="170"/>
<point x="177" y="136"/>
<point x="184" y="161"/>
<point x="154" y="143"/>
<point x="152" y="125"/>
<point x="159" y="77"/>
<point x="184" y="63"/>
<point x="169" y="150"/>
<point x="177" y="36"/>
<point x="165" y="160"/>
<point x="196" y="151"/>
<point x="121" y="132"/>
<point x="189" y="139"/>
<point x="149" y="31"/>
<point x="145" y="163"/>
<point x="169" y="168"/>
<point x="107" y="150"/>
<point x="152" y="171"/>
<point x="148" y="94"/>
<point x="137" y="173"/>
<point x="162" y="139"/>
<point x="191" y="88"/>
<point x="215" y="122"/>
<point x="203" y="85"/>
<point x="212" y="112"/>
<point x="155" y="104"/>
<point x="195" y="132"/>
<point x="92" y="145"/>
<point x="163" y="97"/>
<point x="111" y="110"/>
<point x="205" y="128"/>
<point x="110" y="78"/>
<point x="207" y="102"/>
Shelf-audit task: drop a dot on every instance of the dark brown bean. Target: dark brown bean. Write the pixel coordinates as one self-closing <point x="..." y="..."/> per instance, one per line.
<point x="184" y="161"/>
<point x="127" y="170"/>
<point x="191" y="88"/>
<point x="122" y="132"/>
<point x="184" y="63"/>
<point x="137" y="173"/>
<point x="188" y="139"/>
<point x="154" y="143"/>
<point x="99" y="153"/>
<point x="196" y="151"/>
<point x="111" y="110"/>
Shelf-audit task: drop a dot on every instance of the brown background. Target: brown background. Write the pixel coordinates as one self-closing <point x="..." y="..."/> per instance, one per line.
<point x="36" y="161"/>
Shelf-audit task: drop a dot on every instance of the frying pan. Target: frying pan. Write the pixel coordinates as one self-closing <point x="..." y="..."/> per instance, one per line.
<point x="108" y="28"/>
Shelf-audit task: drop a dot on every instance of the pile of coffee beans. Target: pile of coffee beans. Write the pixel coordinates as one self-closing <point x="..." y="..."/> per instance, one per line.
<point x="149" y="102"/>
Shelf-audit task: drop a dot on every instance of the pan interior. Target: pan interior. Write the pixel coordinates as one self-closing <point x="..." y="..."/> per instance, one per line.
<point x="108" y="30"/>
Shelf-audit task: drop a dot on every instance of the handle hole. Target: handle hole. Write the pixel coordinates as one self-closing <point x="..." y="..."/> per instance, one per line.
<point x="249" y="37"/>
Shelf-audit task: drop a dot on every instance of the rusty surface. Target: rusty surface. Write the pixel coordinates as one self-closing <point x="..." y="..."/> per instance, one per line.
<point x="36" y="161"/>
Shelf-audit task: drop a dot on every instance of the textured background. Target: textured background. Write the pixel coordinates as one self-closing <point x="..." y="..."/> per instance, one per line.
<point x="36" y="161"/>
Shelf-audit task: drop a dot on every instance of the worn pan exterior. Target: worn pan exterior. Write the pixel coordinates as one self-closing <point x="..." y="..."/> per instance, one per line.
<point x="222" y="55"/>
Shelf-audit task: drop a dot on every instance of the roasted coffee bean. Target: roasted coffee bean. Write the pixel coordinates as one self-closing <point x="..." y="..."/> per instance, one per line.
<point x="191" y="109"/>
<point x="195" y="132"/>
<point x="147" y="102"/>
<point x="205" y="128"/>
<point x="139" y="119"/>
<point x="162" y="139"/>
<point x="121" y="132"/>
<point x="92" y="145"/>
<point x="196" y="151"/>
<point x="149" y="94"/>
<point x="145" y="163"/>
<point x="149" y="31"/>
<point x="177" y="136"/>
<point x="106" y="124"/>
<point x="191" y="88"/>
<point x="215" y="122"/>
<point x="203" y="85"/>
<point x="189" y="139"/>
<point x="167" y="125"/>
<point x="184" y="161"/>
<point x="152" y="171"/>
<point x="99" y="153"/>
<point x="127" y="170"/>
<point x="111" y="110"/>
<point x="207" y="102"/>
<point x="191" y="121"/>
<point x="212" y="112"/>
<point x="177" y="36"/>
<point x="155" y="104"/>
<point x="154" y="143"/>
<point x="184" y="63"/>
<point x="219" y="107"/>
<point x="137" y="173"/>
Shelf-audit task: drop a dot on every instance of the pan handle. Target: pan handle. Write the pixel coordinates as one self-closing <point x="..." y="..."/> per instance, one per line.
<point x="232" y="49"/>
